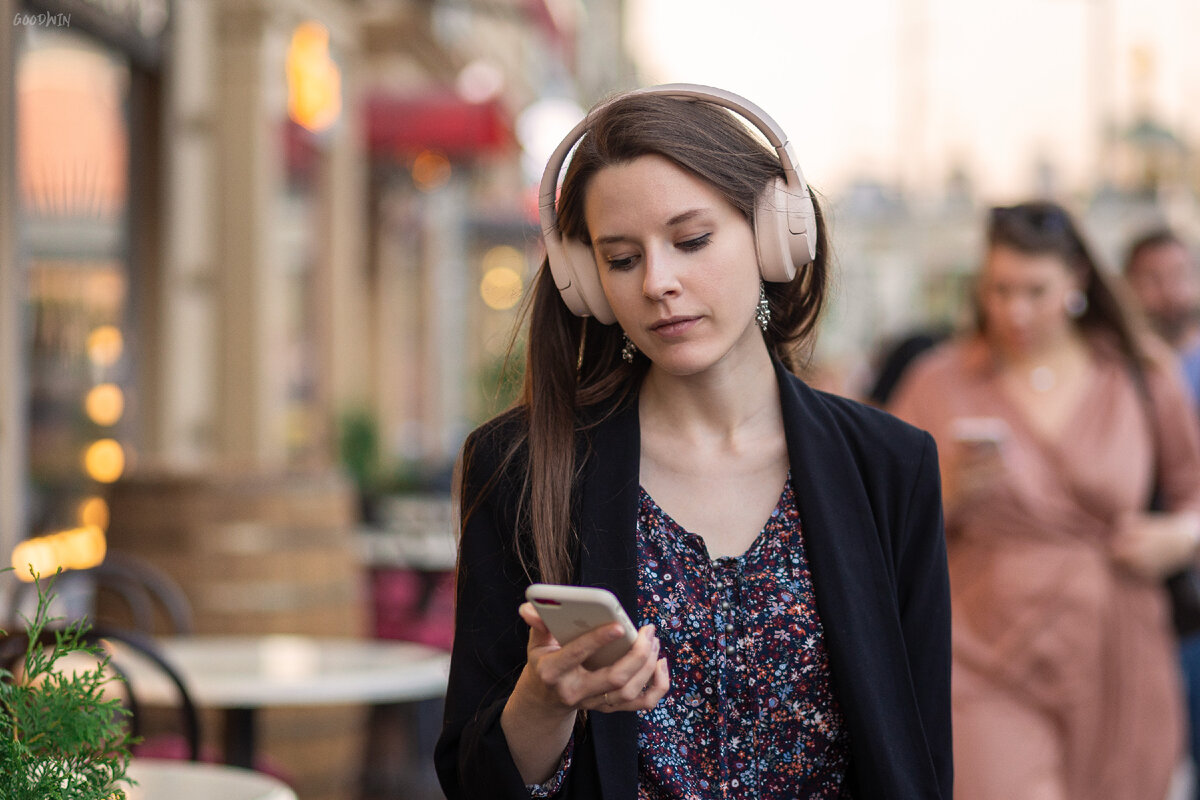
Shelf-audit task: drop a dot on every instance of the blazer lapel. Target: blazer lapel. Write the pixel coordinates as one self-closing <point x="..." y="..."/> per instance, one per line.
<point x="853" y="589"/>
<point x="608" y="558"/>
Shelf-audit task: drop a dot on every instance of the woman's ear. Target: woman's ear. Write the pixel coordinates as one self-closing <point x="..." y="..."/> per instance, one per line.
<point x="1076" y="301"/>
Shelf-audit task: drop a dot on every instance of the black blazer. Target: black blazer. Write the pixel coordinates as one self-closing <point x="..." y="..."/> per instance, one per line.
<point x="869" y="499"/>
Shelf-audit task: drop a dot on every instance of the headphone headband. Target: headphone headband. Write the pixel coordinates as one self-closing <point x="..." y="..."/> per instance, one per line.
<point x="785" y="224"/>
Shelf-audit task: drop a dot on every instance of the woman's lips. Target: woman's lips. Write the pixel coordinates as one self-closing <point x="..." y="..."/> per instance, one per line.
<point x="675" y="326"/>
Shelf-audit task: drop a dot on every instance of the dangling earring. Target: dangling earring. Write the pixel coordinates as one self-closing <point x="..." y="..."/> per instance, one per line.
<point x="1076" y="303"/>
<point x="628" y="349"/>
<point x="762" y="314"/>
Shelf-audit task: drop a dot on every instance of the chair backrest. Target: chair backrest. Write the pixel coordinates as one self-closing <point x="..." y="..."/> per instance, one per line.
<point x="124" y="592"/>
<point x="148" y="592"/>
<point x="14" y="646"/>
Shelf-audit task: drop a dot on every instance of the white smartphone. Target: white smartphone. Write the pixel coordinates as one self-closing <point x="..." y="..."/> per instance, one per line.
<point x="979" y="430"/>
<point x="571" y="611"/>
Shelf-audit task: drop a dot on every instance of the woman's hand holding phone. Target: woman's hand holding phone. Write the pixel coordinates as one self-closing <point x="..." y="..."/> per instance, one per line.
<point x="555" y="685"/>
<point x="558" y="678"/>
<point x="974" y="463"/>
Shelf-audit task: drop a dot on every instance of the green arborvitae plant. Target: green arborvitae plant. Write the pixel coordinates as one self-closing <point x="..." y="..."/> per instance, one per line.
<point x="60" y="737"/>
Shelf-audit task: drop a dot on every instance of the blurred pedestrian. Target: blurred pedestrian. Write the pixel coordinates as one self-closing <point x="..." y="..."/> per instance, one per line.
<point x="780" y="549"/>
<point x="897" y="356"/>
<point x="1163" y="275"/>
<point x="1056" y="422"/>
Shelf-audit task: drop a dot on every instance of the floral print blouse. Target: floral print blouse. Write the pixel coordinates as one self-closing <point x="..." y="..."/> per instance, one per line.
<point x="751" y="711"/>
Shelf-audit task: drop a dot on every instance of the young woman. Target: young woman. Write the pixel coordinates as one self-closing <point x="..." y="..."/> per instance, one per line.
<point x="780" y="550"/>
<point x="1056" y="423"/>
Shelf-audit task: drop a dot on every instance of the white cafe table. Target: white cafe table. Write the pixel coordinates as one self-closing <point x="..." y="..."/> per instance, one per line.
<point x="168" y="779"/>
<point x="240" y="674"/>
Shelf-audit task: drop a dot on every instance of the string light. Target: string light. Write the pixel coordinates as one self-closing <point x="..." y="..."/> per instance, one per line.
<point x="76" y="548"/>
<point x="104" y="460"/>
<point x="105" y="345"/>
<point x="105" y="403"/>
<point x="94" y="512"/>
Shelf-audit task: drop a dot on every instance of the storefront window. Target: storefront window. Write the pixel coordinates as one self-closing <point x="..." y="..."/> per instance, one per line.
<point x="72" y="153"/>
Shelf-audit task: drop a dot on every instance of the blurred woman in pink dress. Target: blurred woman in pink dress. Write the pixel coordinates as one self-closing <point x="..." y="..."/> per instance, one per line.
<point x="1056" y="423"/>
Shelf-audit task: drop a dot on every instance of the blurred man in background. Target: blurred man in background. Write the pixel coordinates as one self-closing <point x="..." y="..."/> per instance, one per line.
<point x="1163" y="274"/>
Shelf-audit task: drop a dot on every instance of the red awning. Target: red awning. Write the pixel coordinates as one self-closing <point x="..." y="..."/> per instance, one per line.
<point x="444" y="122"/>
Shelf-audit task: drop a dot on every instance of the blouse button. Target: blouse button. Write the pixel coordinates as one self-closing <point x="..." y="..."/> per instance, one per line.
<point x="724" y="605"/>
<point x="729" y="627"/>
<point x="730" y="650"/>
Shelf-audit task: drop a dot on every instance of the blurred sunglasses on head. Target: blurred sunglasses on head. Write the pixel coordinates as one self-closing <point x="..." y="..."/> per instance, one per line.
<point x="1045" y="219"/>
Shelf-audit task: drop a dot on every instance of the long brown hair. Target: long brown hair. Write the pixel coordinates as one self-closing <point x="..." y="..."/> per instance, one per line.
<point x="574" y="373"/>
<point x="1042" y="227"/>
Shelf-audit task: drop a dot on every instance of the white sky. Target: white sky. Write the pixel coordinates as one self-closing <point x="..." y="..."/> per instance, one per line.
<point x="903" y="89"/>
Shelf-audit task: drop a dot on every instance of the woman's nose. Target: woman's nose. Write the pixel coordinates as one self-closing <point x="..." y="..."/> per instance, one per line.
<point x="661" y="277"/>
<point x="1014" y="309"/>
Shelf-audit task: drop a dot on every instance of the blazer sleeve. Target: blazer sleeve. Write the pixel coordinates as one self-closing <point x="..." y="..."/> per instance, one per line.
<point x="923" y="602"/>
<point x="472" y="756"/>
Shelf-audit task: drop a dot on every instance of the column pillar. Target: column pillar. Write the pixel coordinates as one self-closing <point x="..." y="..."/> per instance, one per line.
<point x="185" y="420"/>
<point x="250" y="419"/>
<point x="13" y="367"/>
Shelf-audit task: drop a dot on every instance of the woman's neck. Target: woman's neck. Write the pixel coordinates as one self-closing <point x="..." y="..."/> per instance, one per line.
<point x="1047" y="370"/>
<point x="1064" y="349"/>
<point x="719" y="402"/>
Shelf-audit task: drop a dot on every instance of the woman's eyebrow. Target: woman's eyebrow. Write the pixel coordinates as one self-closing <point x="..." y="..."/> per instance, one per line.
<point x="616" y="238"/>
<point x="681" y="218"/>
<point x="678" y="219"/>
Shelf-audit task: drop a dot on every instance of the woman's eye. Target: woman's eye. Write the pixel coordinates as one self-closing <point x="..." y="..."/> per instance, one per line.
<point x="620" y="263"/>
<point x="695" y="243"/>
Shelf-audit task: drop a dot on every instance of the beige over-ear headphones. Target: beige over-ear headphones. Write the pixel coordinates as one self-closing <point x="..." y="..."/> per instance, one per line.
<point x="785" y="224"/>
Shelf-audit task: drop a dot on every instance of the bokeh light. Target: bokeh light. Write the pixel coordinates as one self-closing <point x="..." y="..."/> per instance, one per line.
<point x="479" y="81"/>
<point x="105" y="345"/>
<point x="503" y="255"/>
<point x="314" y="81"/>
<point x="105" y="403"/>
<point x="94" y="512"/>
<point x="77" y="548"/>
<point x="501" y="288"/>
<point x="104" y="460"/>
<point x="430" y="170"/>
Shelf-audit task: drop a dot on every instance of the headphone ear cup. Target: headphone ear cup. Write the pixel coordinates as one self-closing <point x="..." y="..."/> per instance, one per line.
<point x="573" y="267"/>
<point x="802" y="224"/>
<point x="586" y="281"/>
<point x="564" y="277"/>
<point x="785" y="232"/>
